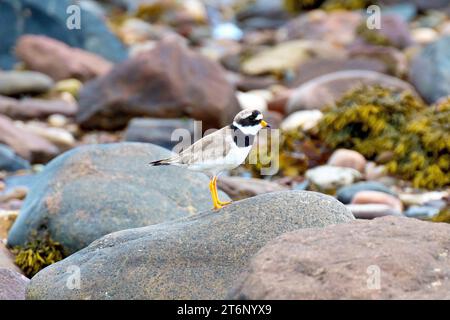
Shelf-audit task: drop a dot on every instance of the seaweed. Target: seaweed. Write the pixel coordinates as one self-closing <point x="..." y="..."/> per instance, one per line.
<point x="37" y="254"/>
<point x="374" y="121"/>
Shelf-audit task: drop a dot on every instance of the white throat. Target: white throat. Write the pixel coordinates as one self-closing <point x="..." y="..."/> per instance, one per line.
<point x="250" y="130"/>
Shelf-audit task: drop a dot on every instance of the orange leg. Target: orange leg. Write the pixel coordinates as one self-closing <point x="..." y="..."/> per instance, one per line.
<point x="222" y="203"/>
<point x="216" y="203"/>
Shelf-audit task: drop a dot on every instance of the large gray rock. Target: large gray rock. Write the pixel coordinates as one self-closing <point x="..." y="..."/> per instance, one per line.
<point x="94" y="190"/>
<point x="192" y="258"/>
<point x="385" y="258"/>
<point x="430" y="72"/>
<point x="12" y="285"/>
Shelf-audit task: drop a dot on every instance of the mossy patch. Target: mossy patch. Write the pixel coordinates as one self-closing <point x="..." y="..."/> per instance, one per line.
<point x="37" y="254"/>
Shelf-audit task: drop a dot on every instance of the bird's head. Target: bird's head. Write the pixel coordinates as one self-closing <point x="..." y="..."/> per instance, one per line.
<point x="250" y="121"/>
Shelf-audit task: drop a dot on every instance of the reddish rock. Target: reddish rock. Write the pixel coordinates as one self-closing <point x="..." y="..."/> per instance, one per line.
<point x="369" y="196"/>
<point x="169" y="81"/>
<point x="348" y="158"/>
<point x="12" y="285"/>
<point x="24" y="143"/>
<point x="384" y="258"/>
<point x="326" y="89"/>
<point x="58" y="60"/>
<point x="337" y="27"/>
<point x="30" y="108"/>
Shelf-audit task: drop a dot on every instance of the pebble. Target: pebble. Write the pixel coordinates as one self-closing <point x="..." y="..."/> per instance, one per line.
<point x="330" y="177"/>
<point x="422" y="198"/>
<point x="421" y="212"/>
<point x="305" y="120"/>
<point x="348" y="158"/>
<point x="377" y="197"/>
<point x="249" y="100"/>
<point x="371" y="211"/>
<point x="346" y="194"/>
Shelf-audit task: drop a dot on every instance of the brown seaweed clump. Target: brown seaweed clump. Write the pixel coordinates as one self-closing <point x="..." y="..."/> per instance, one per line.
<point x="38" y="254"/>
<point x="376" y="120"/>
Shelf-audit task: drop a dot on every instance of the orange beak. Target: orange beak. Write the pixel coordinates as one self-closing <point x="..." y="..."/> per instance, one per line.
<point x="264" y="124"/>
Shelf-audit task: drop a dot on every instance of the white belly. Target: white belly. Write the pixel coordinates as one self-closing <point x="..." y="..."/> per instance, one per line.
<point x="235" y="157"/>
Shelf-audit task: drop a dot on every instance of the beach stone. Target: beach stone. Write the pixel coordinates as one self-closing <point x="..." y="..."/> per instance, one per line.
<point x="12" y="285"/>
<point x="372" y="210"/>
<point x="94" y="190"/>
<point x="24" y="82"/>
<point x="429" y="72"/>
<point x="289" y="56"/>
<point x="337" y="27"/>
<point x="58" y="60"/>
<point x="51" y="18"/>
<point x="348" y="158"/>
<point x="160" y="131"/>
<point x="421" y="212"/>
<point x="169" y="81"/>
<point x="318" y="67"/>
<point x="329" y="177"/>
<point x="372" y="197"/>
<point x="240" y="188"/>
<point x="193" y="258"/>
<point x="9" y="161"/>
<point x="395" y="30"/>
<point x="305" y="120"/>
<point x="325" y="90"/>
<point x="30" y="108"/>
<point x="346" y="194"/>
<point x="343" y="262"/>
<point x="25" y="144"/>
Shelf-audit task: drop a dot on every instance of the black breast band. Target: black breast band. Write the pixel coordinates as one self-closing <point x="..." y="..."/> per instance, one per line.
<point x="241" y="139"/>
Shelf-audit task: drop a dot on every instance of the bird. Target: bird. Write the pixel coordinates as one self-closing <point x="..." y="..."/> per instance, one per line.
<point x="222" y="150"/>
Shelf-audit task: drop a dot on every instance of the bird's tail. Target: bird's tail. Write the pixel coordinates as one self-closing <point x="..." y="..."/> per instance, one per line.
<point x="163" y="162"/>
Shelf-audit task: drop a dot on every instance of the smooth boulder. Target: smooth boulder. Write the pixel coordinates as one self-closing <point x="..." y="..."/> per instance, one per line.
<point x="386" y="258"/>
<point x="193" y="258"/>
<point x="168" y="81"/>
<point x="94" y="190"/>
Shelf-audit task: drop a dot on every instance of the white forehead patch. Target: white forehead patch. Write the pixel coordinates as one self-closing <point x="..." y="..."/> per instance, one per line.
<point x="259" y="117"/>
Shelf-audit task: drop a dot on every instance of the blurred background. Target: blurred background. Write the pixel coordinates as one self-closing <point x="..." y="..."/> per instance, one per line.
<point x="358" y="88"/>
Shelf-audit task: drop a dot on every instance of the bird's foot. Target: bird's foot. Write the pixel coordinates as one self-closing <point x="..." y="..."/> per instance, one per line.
<point x="223" y="203"/>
